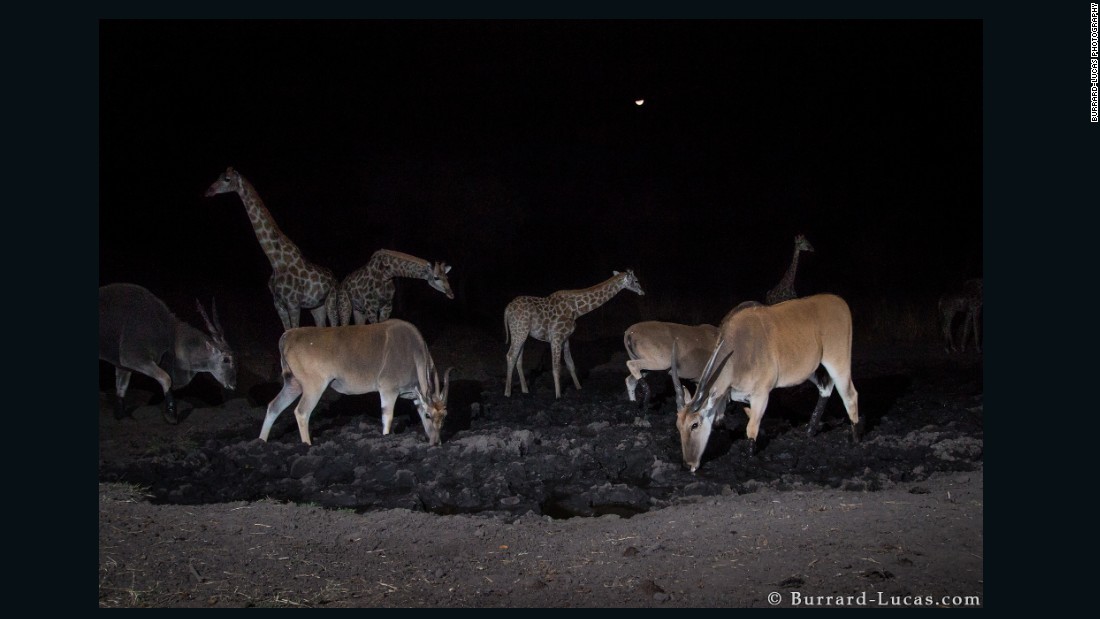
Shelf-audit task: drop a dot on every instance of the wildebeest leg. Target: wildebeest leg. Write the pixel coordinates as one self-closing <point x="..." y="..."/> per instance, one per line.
<point x="122" y="383"/>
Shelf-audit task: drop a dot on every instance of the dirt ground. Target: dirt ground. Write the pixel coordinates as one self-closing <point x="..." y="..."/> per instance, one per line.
<point x="537" y="502"/>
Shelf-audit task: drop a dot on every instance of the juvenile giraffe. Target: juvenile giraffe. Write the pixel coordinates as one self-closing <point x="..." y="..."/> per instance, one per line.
<point x="552" y="319"/>
<point x="295" y="283"/>
<point x="967" y="301"/>
<point x="368" y="291"/>
<point x="784" y="290"/>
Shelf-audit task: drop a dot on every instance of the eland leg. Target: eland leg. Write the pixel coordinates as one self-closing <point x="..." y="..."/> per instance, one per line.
<point x="755" y="410"/>
<point x="290" y="392"/>
<point x="122" y="383"/>
<point x="824" y="383"/>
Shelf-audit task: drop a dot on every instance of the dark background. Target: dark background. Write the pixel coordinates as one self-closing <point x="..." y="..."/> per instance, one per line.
<point x="513" y="150"/>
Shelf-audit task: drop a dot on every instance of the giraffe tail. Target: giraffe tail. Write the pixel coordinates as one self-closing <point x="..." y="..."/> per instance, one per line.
<point x="507" y="333"/>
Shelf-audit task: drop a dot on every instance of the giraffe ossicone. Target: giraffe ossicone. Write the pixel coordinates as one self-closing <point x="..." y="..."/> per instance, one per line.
<point x="552" y="319"/>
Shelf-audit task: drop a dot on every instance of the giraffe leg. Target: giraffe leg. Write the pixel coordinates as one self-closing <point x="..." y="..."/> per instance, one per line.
<point x="284" y="316"/>
<point x="555" y="363"/>
<point x="947" y="343"/>
<point x="514" y="358"/>
<point x="343" y="309"/>
<point x="519" y="368"/>
<point x="122" y="383"/>
<point x="384" y="312"/>
<point x="360" y="317"/>
<point x="319" y="314"/>
<point x="966" y="330"/>
<point x="572" y="368"/>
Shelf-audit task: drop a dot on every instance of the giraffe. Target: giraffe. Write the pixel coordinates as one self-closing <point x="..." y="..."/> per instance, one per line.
<point x="968" y="301"/>
<point x="295" y="283"/>
<point x="368" y="291"/>
<point x="552" y="319"/>
<point x="784" y="290"/>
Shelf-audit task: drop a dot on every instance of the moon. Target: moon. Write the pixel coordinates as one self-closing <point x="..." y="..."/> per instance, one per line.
<point x="639" y="102"/>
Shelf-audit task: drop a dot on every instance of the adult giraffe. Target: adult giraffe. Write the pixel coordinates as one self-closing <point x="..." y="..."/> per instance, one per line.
<point x="295" y="282"/>
<point x="367" y="293"/>
<point x="784" y="290"/>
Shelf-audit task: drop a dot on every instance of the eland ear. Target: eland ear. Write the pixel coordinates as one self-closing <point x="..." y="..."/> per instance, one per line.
<point x="686" y="397"/>
<point x="447" y="268"/>
<point x="713" y="397"/>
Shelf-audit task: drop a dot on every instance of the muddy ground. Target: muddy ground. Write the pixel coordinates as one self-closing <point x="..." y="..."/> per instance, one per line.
<point x="532" y="501"/>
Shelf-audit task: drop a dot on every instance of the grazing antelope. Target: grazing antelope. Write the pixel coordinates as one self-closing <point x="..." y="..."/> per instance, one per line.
<point x="760" y="348"/>
<point x="968" y="302"/>
<point x="389" y="357"/>
<point x="650" y="345"/>
<point x="138" y="333"/>
<point x="552" y="319"/>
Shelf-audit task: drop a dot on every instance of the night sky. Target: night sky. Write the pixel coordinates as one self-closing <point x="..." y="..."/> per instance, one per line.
<point x="514" y="151"/>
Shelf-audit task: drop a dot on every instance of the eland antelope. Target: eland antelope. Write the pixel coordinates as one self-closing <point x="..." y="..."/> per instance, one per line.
<point x="760" y="348"/>
<point x="389" y="357"/>
<point x="650" y="345"/>
<point x="138" y="333"/>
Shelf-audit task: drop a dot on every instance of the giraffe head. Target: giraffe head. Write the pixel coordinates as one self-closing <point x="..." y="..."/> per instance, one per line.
<point x="229" y="182"/>
<point x="436" y="277"/>
<point x="802" y="244"/>
<point x="630" y="282"/>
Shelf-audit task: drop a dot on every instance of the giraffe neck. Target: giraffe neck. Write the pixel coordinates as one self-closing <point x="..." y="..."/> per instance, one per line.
<point x="278" y="248"/>
<point x="788" y="277"/>
<point x="396" y="264"/>
<point x="587" y="299"/>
